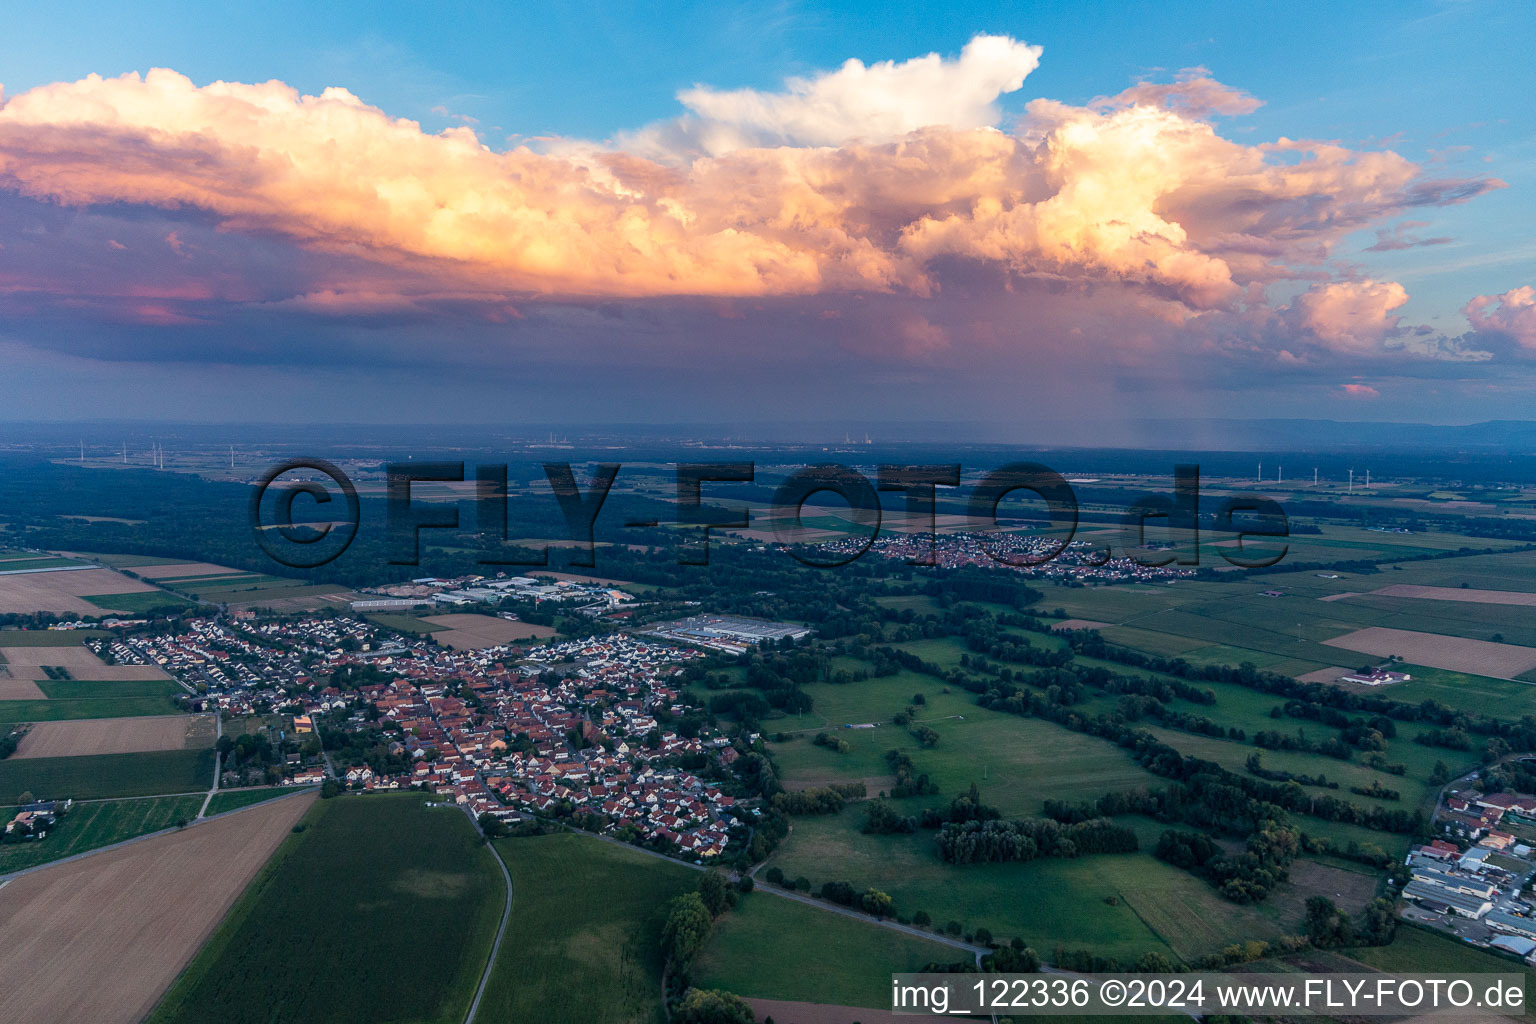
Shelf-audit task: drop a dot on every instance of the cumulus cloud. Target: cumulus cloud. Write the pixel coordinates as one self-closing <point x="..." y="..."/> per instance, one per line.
<point x="1361" y="391"/>
<point x="873" y="103"/>
<point x="1352" y="316"/>
<point x="884" y="179"/>
<point x="1511" y="316"/>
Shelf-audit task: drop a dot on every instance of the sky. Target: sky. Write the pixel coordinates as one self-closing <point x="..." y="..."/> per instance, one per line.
<point x="1013" y="213"/>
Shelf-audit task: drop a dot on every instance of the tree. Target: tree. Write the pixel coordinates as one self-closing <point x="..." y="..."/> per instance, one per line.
<point x="492" y="826"/>
<point x="709" y="1006"/>
<point x="716" y="893"/>
<point x="875" y="902"/>
<point x="329" y="788"/>
<point x="1325" y="924"/>
<point x="686" y="929"/>
<point x="922" y="919"/>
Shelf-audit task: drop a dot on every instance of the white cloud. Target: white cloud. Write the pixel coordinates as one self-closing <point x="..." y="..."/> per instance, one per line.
<point x="878" y="102"/>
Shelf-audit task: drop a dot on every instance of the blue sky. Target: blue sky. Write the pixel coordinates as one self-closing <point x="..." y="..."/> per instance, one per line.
<point x="1446" y="85"/>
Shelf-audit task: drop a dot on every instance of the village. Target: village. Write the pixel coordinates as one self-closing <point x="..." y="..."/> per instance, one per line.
<point x="590" y="730"/>
<point x="1079" y="562"/>
<point x="1473" y="882"/>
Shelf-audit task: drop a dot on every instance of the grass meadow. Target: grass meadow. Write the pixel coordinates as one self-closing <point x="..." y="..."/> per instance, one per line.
<point x="584" y="942"/>
<point x="90" y="825"/>
<point x="774" y="948"/>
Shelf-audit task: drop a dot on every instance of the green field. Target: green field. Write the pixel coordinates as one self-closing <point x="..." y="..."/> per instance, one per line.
<point x="47" y="637"/>
<point x="88" y="707"/>
<point x="233" y="799"/>
<point x="106" y="775"/>
<point x="1417" y="950"/>
<point x="381" y="910"/>
<point x="583" y="944"/>
<point x="92" y="689"/>
<point x="39" y="562"/>
<point x="89" y="825"/>
<point x="133" y="604"/>
<point x="131" y="561"/>
<point x="773" y="948"/>
<point x="1017" y="762"/>
<point x="1044" y="902"/>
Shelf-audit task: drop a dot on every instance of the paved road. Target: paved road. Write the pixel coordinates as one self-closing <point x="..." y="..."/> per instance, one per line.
<point x="506" y="915"/>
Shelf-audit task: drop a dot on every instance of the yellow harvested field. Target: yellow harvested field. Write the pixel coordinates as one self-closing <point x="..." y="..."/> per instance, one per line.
<point x="63" y="591"/>
<point x="1340" y="597"/>
<point x="161" y="572"/>
<point x="101" y="938"/>
<point x="28" y="662"/>
<point x="470" y="632"/>
<point x="115" y="736"/>
<point x="1456" y="653"/>
<point x="1514" y="597"/>
<point x="1066" y="624"/>
<point x="19" y="689"/>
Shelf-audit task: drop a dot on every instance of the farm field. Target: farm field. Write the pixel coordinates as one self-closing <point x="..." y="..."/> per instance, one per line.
<point x="160" y="899"/>
<point x="88" y="777"/>
<point x="13" y="638"/>
<point x="90" y="707"/>
<point x="115" y="736"/>
<point x="26" y="661"/>
<point x="584" y="941"/>
<point x="137" y="604"/>
<point x="1457" y="654"/>
<point x="318" y="935"/>
<point x="19" y="689"/>
<point x="64" y="592"/>
<point x="817" y="956"/>
<point x="404" y="623"/>
<point x="476" y="632"/>
<point x="163" y="569"/>
<point x="90" y="825"/>
<point x="234" y="799"/>
<point x="90" y="689"/>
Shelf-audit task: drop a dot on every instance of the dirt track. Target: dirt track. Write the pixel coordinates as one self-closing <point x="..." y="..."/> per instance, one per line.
<point x="100" y="939"/>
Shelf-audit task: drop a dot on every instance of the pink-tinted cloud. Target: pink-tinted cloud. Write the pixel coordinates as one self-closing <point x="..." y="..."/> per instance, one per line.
<point x="1128" y="192"/>
<point x="1511" y="315"/>
<point x="882" y="194"/>
<point x="1350" y="316"/>
<point x="1359" y="391"/>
